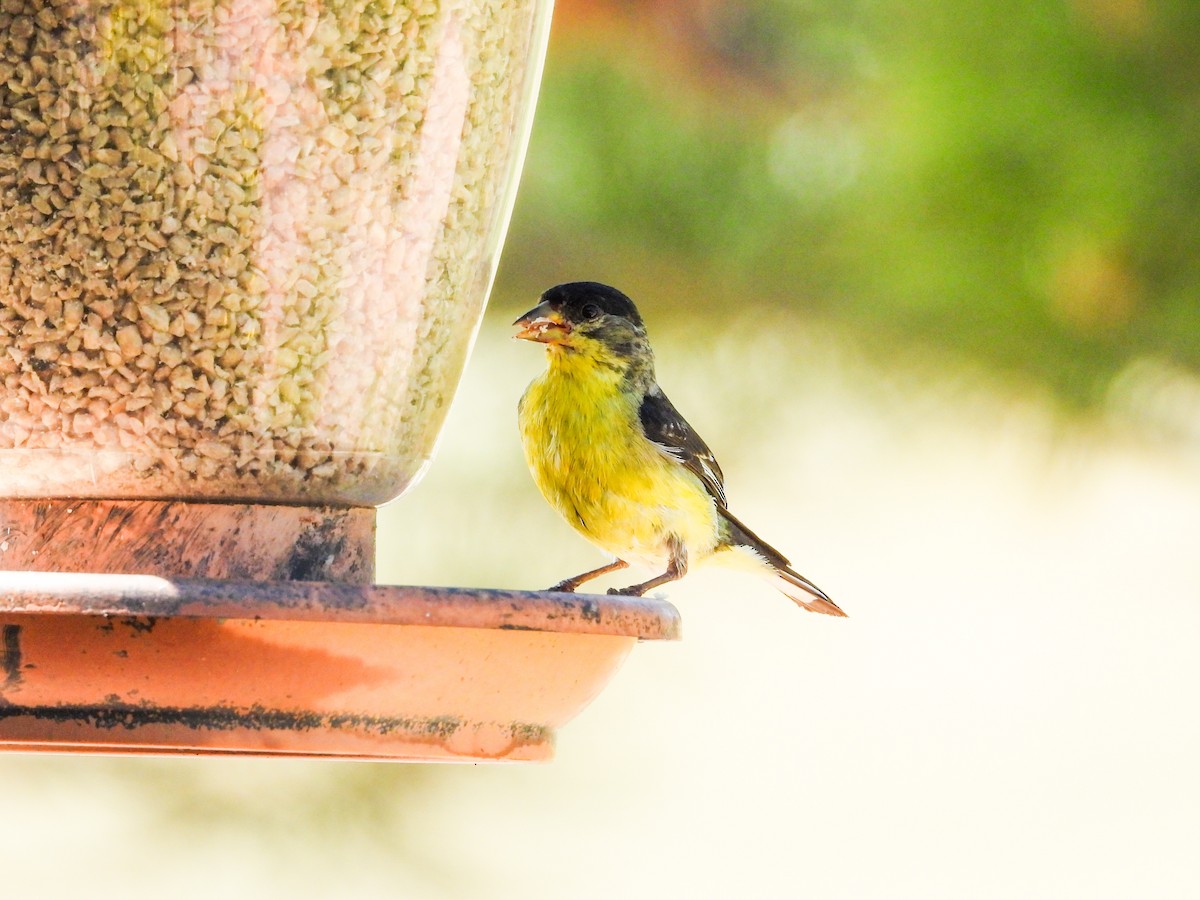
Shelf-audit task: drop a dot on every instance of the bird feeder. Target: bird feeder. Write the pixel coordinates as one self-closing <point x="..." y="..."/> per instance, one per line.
<point x="245" y="246"/>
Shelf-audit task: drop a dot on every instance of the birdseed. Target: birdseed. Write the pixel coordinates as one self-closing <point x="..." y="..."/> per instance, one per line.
<point x="244" y="244"/>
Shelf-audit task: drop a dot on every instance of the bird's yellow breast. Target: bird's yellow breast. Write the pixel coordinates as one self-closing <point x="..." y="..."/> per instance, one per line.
<point x="585" y="446"/>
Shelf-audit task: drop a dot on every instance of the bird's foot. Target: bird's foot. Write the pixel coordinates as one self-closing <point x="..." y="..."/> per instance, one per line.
<point x="564" y="587"/>
<point x="635" y="590"/>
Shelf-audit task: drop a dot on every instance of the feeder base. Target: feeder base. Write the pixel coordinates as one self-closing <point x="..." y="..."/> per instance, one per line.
<point x="189" y="540"/>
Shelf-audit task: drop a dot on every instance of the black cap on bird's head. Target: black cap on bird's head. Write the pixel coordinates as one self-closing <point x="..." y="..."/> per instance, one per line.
<point x="581" y="301"/>
<point x="582" y="310"/>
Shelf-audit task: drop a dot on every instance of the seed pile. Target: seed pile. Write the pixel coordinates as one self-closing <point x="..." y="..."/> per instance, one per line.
<point x="244" y="243"/>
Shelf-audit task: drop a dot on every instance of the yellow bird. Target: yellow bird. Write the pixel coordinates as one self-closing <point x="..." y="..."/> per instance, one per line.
<point x="611" y="453"/>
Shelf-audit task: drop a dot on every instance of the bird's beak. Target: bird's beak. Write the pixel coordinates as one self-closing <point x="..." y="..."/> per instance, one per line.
<point x="542" y="324"/>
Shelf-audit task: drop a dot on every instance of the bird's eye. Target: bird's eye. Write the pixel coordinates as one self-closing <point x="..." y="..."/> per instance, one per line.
<point x="590" y="311"/>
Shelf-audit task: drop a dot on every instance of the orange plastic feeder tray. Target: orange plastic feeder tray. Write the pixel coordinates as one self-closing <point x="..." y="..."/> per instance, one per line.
<point x="145" y="664"/>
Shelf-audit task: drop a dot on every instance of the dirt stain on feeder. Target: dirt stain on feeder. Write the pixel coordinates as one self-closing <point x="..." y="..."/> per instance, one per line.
<point x="140" y="624"/>
<point x="590" y="611"/>
<point x="11" y="660"/>
<point x="314" y="550"/>
<point x="120" y="716"/>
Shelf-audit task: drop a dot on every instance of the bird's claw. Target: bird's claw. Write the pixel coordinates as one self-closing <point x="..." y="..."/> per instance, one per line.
<point x="563" y="587"/>
<point x="624" y="592"/>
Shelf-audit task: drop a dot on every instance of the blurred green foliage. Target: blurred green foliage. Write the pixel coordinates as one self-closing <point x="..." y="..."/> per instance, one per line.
<point x="1012" y="181"/>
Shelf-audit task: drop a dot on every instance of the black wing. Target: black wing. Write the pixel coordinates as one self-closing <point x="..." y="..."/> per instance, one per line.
<point x="665" y="427"/>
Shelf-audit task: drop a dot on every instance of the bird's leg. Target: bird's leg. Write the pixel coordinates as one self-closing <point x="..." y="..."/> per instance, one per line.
<point x="569" y="584"/>
<point x="676" y="569"/>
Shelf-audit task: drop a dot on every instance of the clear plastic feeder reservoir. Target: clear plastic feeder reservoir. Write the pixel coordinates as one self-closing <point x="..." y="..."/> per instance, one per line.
<point x="245" y="244"/>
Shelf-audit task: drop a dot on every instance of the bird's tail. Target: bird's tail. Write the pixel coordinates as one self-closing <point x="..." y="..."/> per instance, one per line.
<point x="779" y="571"/>
<point x="803" y="592"/>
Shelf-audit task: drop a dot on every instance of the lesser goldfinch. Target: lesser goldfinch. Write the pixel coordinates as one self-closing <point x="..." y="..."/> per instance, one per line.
<point x="611" y="453"/>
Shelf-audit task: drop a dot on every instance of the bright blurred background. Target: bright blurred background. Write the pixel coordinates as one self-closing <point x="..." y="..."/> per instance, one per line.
<point x="927" y="280"/>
